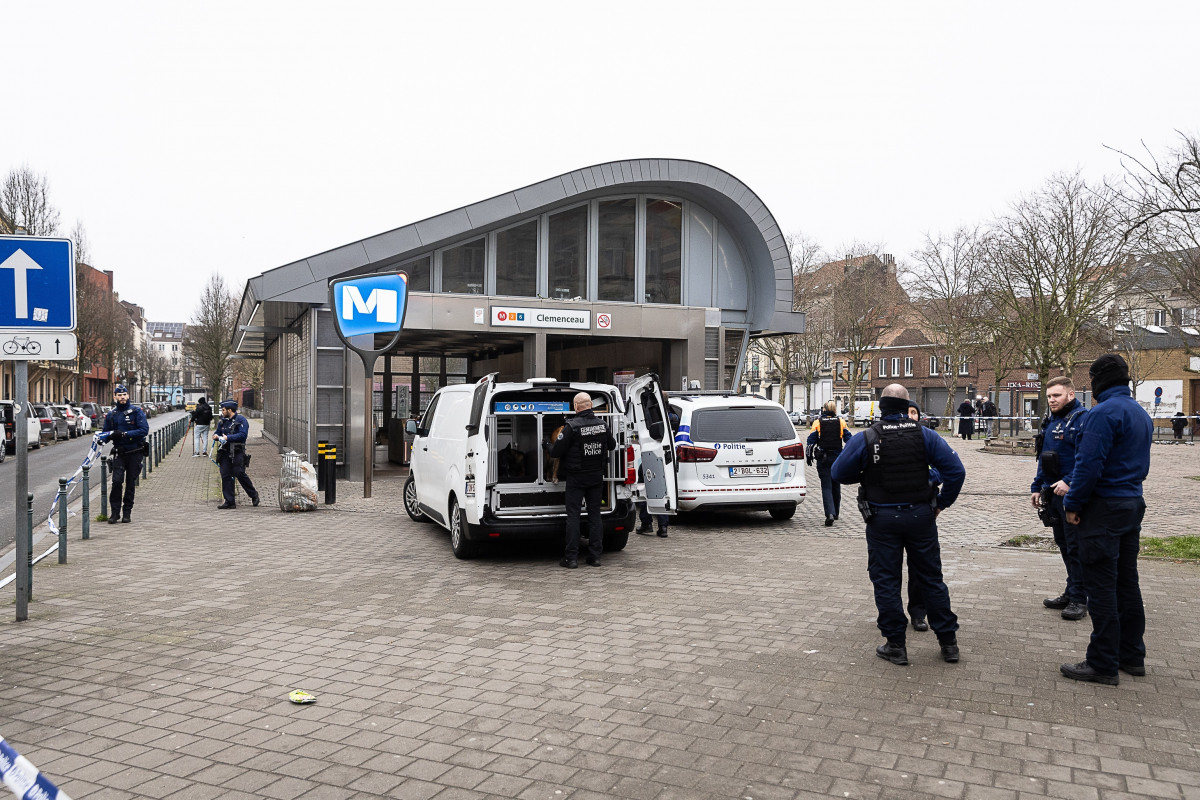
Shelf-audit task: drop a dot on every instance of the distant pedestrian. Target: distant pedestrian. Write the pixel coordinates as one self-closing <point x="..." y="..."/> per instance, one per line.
<point x="1178" y="423"/>
<point x="989" y="413"/>
<point x="824" y="444"/>
<point x="202" y="417"/>
<point x="232" y="432"/>
<point x="966" y="423"/>
<point x="128" y="428"/>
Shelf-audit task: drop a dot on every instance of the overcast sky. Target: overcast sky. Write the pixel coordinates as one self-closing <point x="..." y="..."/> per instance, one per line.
<point x="234" y="137"/>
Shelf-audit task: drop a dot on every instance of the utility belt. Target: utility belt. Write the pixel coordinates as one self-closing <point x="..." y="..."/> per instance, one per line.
<point x="142" y="450"/>
<point x="1047" y="513"/>
<point x="867" y="508"/>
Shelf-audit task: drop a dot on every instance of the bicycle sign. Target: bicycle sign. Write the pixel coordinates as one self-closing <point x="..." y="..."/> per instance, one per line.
<point x="38" y="346"/>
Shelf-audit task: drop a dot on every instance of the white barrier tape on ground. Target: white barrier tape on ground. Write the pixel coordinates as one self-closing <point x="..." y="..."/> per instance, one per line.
<point x="23" y="778"/>
<point x="98" y="440"/>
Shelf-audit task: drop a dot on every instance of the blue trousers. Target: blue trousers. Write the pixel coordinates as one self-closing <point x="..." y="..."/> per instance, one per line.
<point x="1109" y="530"/>
<point x="890" y="534"/>
<point x="831" y="490"/>
<point x="1067" y="538"/>
<point x="645" y="516"/>
<point x="126" y="469"/>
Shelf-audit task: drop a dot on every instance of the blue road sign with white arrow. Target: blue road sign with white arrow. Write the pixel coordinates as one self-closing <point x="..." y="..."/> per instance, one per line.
<point x="37" y="284"/>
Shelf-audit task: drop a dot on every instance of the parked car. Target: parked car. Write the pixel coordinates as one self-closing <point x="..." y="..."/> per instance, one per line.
<point x="147" y="409"/>
<point x="54" y="423"/>
<point x="83" y="423"/>
<point x="480" y="471"/>
<point x="737" y="453"/>
<point x="8" y="442"/>
<point x="71" y="417"/>
<point x="94" y="412"/>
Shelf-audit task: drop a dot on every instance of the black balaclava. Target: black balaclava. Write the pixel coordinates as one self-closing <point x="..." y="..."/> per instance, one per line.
<point x="893" y="405"/>
<point x="1107" y="371"/>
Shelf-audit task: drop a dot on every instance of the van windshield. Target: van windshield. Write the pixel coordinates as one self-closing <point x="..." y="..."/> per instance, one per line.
<point x="741" y="424"/>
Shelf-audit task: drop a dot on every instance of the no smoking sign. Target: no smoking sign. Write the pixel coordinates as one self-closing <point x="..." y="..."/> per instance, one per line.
<point x="603" y="321"/>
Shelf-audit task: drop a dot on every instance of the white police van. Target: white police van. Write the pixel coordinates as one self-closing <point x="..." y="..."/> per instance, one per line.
<point x="479" y="470"/>
<point x="737" y="453"/>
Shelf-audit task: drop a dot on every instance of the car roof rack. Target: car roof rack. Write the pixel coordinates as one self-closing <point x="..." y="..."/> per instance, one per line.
<point x="685" y="393"/>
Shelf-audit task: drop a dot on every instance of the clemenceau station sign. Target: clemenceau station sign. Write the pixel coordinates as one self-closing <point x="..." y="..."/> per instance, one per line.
<point x="540" y="318"/>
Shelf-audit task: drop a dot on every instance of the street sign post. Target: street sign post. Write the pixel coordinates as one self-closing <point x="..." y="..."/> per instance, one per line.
<point x="365" y="306"/>
<point x="37" y="315"/>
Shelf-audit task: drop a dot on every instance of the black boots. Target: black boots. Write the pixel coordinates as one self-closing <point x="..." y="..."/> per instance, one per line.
<point x="893" y="652"/>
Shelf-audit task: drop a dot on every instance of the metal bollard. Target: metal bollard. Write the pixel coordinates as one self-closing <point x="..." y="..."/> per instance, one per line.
<point x="331" y="476"/>
<point x="322" y="445"/>
<point x="148" y="459"/>
<point x="104" y="486"/>
<point x="144" y="472"/>
<point x="28" y="532"/>
<point x="87" y="505"/>
<point x="62" y="520"/>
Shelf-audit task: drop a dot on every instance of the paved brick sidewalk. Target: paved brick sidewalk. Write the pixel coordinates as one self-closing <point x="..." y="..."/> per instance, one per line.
<point x="732" y="660"/>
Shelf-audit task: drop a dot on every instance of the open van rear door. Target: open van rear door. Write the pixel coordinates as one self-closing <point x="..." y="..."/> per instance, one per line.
<point x="650" y="420"/>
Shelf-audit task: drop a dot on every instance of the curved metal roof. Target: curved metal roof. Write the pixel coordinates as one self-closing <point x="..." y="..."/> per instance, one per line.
<point x="278" y="295"/>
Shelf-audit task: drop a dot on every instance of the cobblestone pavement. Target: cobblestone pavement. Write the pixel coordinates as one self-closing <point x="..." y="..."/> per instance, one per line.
<point x="732" y="660"/>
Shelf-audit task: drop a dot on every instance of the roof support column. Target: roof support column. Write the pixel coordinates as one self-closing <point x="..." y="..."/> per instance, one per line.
<point x="534" y="353"/>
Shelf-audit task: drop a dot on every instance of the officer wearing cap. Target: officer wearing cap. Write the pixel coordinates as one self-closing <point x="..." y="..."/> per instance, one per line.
<point x="128" y="428"/>
<point x="900" y="503"/>
<point x="583" y="446"/>
<point x="231" y="432"/>
<point x="1105" y="501"/>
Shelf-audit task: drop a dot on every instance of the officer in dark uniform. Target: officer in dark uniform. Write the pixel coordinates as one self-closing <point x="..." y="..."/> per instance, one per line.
<point x="1057" y="440"/>
<point x="892" y="460"/>
<point x="231" y="432"/>
<point x="583" y="446"/>
<point x="128" y="428"/>
<point x="824" y="446"/>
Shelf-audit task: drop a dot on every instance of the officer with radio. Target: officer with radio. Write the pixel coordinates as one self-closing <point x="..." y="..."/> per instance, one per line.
<point x="127" y="429"/>
<point x="231" y="432"/>
<point x="900" y="503"/>
<point x="825" y="443"/>
<point x="1055" y="448"/>
<point x="583" y="446"/>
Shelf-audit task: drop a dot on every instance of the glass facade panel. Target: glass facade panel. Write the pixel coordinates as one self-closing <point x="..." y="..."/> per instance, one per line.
<point x="462" y="268"/>
<point x="664" y="251"/>
<point x="568" y="254"/>
<point x="618" y="240"/>
<point x="516" y="260"/>
<point x="418" y="274"/>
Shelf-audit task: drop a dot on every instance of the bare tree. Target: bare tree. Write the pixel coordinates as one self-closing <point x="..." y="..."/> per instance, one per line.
<point x="210" y="333"/>
<point x="945" y="283"/>
<point x="83" y="249"/>
<point x="25" y="202"/>
<point x="96" y="328"/>
<point x="250" y="373"/>
<point x="1057" y="262"/>
<point x="865" y="302"/>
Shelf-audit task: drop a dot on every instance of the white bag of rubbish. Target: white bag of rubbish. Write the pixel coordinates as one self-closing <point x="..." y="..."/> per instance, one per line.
<point x="297" y="484"/>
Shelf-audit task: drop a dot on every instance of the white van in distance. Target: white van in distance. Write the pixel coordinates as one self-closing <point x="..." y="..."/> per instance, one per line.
<point x="479" y="469"/>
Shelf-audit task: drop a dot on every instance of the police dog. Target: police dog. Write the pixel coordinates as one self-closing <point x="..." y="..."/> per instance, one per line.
<point x="512" y="462"/>
<point x="552" y="463"/>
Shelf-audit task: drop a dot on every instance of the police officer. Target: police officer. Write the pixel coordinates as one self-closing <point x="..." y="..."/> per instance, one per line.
<point x="892" y="460"/>
<point x="583" y="445"/>
<point x="231" y="432"/>
<point x="127" y="427"/>
<point x="1105" y="501"/>
<point x="1058" y="439"/>
<point x="824" y="446"/>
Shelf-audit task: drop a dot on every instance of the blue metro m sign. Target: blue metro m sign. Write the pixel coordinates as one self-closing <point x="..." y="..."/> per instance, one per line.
<point x="368" y="305"/>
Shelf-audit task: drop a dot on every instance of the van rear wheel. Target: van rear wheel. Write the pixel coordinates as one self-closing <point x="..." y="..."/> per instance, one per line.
<point x="783" y="513"/>
<point x="616" y="541"/>
<point x="458" y="534"/>
<point x="410" y="501"/>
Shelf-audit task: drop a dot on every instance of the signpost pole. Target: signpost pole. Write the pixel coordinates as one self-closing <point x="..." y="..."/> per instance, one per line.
<point x="21" y="437"/>
<point x="369" y="428"/>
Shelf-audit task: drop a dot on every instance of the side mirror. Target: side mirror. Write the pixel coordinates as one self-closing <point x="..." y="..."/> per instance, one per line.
<point x="410" y="427"/>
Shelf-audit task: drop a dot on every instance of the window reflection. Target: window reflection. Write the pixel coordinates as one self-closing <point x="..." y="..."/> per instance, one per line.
<point x="618" y="229"/>
<point x="516" y="260"/>
<point x="418" y="274"/>
<point x="462" y="268"/>
<point x="568" y="254"/>
<point x="664" y="251"/>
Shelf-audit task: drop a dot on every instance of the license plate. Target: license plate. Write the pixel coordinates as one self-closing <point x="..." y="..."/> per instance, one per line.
<point x="749" y="472"/>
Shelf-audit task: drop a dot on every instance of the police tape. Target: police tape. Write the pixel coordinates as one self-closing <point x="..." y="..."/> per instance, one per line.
<point x="23" y="778"/>
<point x="73" y="482"/>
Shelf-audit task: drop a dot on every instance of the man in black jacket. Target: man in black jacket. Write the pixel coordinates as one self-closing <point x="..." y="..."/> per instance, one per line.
<point x="583" y="445"/>
<point x="202" y="417"/>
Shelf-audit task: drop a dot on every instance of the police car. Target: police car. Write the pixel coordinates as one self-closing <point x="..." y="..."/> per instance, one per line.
<point x="737" y="453"/>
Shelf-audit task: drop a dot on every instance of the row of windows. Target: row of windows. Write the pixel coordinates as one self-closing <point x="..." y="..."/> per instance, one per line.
<point x="608" y="250"/>
<point x="890" y="368"/>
